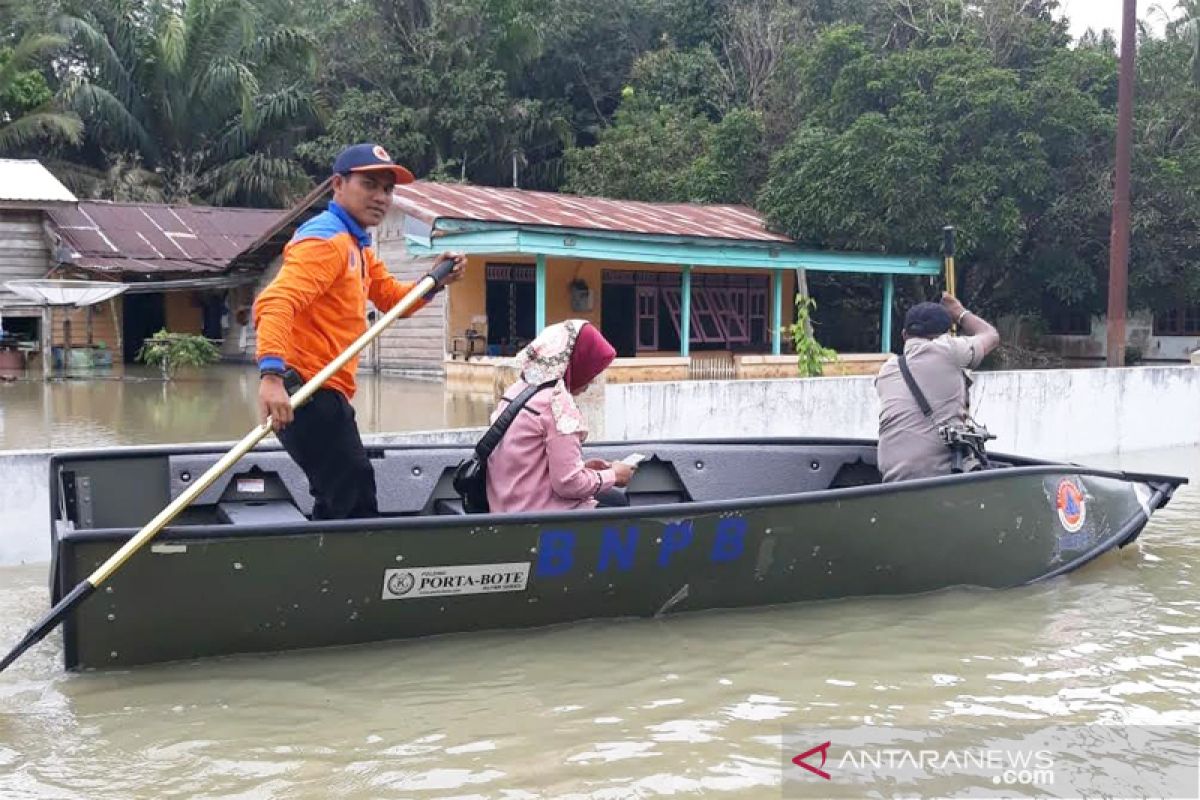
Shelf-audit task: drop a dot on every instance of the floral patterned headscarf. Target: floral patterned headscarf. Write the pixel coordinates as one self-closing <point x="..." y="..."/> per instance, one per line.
<point x="571" y="354"/>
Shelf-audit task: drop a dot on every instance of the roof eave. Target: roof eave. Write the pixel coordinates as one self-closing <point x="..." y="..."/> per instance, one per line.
<point x="34" y="205"/>
<point x="445" y="225"/>
<point x="667" y="250"/>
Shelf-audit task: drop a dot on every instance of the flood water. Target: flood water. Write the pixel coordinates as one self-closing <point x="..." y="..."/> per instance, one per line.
<point x="691" y="705"/>
<point x="214" y="404"/>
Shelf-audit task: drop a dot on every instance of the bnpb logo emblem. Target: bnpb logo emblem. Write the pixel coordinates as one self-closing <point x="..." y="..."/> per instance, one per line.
<point x="1071" y="506"/>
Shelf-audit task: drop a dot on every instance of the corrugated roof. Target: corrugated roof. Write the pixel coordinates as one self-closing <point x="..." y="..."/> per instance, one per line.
<point x="272" y="240"/>
<point x="149" y="238"/>
<point x="27" y="181"/>
<point x="430" y="202"/>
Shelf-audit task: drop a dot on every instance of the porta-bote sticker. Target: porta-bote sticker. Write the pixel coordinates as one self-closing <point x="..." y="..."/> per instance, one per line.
<point x="404" y="584"/>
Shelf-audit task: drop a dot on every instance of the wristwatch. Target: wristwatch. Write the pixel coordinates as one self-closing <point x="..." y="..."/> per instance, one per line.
<point x="960" y="317"/>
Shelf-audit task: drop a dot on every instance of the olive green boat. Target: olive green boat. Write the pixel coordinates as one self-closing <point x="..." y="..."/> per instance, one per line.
<point x="711" y="524"/>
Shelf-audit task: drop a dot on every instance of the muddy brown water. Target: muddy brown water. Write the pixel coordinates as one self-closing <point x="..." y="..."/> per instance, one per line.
<point x="692" y="705"/>
<point x="215" y="404"/>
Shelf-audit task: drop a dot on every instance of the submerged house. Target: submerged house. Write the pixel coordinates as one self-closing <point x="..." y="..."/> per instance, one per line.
<point x="173" y="259"/>
<point x="28" y="194"/>
<point x="681" y="290"/>
<point x="1166" y="334"/>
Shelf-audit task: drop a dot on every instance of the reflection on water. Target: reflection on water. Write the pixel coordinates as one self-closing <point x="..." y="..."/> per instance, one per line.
<point x="214" y="404"/>
<point x="615" y="709"/>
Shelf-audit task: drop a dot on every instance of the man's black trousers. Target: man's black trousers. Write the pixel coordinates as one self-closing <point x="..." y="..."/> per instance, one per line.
<point x="323" y="439"/>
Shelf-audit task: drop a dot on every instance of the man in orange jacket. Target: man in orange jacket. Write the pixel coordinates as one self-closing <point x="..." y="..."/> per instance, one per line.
<point x="312" y="311"/>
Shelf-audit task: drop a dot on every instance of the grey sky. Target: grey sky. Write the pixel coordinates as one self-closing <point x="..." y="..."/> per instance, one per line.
<point x="1100" y="14"/>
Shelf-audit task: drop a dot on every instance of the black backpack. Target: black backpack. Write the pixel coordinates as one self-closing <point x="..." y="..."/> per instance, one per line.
<point x="470" y="476"/>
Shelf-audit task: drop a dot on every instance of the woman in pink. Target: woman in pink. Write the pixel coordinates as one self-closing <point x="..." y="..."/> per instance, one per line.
<point x="538" y="465"/>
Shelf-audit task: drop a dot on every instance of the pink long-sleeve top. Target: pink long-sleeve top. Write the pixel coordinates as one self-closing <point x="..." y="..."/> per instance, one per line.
<point x="538" y="468"/>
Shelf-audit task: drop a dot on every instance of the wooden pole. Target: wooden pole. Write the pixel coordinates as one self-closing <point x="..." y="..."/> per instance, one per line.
<point x="1118" y="258"/>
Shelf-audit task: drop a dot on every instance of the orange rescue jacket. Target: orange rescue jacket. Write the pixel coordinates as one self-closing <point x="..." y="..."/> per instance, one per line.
<point x="317" y="305"/>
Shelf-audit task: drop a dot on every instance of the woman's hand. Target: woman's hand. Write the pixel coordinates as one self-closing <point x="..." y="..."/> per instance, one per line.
<point x="597" y="464"/>
<point x="623" y="473"/>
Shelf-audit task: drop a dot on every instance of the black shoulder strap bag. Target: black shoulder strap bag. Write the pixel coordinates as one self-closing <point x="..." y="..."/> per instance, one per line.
<point x="966" y="445"/>
<point x="470" y="476"/>
<point x="917" y="394"/>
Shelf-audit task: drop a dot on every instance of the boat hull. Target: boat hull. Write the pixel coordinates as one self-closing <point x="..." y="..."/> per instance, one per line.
<point x="212" y="590"/>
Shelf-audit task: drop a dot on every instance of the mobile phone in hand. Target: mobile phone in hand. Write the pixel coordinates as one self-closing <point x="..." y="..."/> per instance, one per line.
<point x="633" y="459"/>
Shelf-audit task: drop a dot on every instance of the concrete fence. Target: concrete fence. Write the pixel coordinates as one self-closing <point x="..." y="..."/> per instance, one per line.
<point x="1041" y="413"/>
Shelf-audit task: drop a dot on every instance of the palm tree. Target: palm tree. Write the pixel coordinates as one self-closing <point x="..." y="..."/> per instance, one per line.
<point x="1190" y="29"/>
<point x="45" y="122"/>
<point x="202" y="92"/>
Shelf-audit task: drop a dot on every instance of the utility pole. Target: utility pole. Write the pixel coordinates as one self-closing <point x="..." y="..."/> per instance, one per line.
<point x="1118" y="257"/>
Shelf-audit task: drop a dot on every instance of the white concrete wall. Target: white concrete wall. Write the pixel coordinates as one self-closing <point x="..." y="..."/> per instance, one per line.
<point x="24" y="506"/>
<point x="1173" y="348"/>
<point x="1042" y="413"/>
<point x="25" y="492"/>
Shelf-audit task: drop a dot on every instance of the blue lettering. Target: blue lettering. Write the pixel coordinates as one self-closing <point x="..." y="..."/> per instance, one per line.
<point x="730" y="541"/>
<point x="676" y="537"/>
<point x="556" y="553"/>
<point x="618" y="549"/>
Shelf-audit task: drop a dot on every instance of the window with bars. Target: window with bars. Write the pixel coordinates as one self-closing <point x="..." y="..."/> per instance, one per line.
<point x="647" y="317"/>
<point x="726" y="310"/>
<point x="757" y="315"/>
<point x="510" y="300"/>
<point x="1180" y="320"/>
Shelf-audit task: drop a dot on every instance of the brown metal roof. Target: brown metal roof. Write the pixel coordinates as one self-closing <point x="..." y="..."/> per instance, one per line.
<point x="158" y="240"/>
<point x="271" y="240"/>
<point x="430" y="202"/>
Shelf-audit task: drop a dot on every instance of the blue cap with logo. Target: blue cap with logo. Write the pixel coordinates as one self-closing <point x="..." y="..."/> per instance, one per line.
<point x="369" y="158"/>
<point x="926" y="320"/>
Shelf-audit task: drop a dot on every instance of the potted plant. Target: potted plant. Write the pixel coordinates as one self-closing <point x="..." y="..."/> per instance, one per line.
<point x="170" y="351"/>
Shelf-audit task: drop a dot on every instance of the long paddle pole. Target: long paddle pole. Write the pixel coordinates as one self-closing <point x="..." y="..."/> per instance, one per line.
<point x="84" y="588"/>
<point x="951" y="277"/>
<point x="948" y="253"/>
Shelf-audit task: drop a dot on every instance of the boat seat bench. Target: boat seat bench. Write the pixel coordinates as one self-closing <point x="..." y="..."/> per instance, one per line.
<point x="267" y="487"/>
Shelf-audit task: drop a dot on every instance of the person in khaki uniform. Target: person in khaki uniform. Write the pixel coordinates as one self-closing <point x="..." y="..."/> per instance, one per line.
<point x="909" y="443"/>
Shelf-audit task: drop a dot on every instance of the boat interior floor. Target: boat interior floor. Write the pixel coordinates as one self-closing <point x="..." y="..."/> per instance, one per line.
<point x="267" y="488"/>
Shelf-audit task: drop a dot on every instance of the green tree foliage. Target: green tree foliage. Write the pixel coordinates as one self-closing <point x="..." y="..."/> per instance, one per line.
<point x="1165" y="247"/>
<point x="861" y="124"/>
<point x="811" y="355"/>
<point x="28" y="114"/>
<point x="31" y="115"/>
<point x="890" y="146"/>
<point x="206" y="94"/>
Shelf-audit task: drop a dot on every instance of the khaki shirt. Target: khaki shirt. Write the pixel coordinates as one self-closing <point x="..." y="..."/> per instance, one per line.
<point x="909" y="444"/>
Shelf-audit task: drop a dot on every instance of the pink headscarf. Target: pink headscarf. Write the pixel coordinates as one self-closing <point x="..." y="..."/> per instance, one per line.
<point x="570" y="354"/>
<point x="591" y="356"/>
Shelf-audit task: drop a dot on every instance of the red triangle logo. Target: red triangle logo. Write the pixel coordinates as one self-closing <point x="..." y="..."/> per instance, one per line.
<point x="823" y="750"/>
